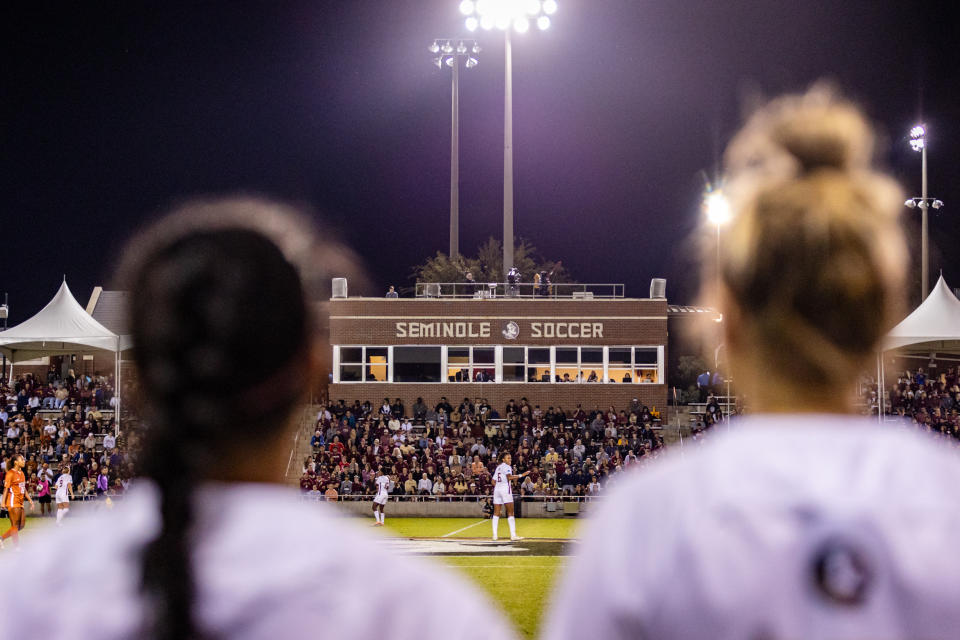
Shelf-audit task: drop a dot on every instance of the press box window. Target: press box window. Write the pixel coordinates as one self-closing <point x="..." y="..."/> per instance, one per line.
<point x="416" y="364"/>
<point x="363" y="364"/>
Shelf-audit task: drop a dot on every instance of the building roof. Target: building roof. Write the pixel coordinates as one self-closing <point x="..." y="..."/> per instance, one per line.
<point x="109" y="308"/>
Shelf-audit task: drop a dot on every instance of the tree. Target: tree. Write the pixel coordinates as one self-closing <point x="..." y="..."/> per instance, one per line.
<point x="487" y="265"/>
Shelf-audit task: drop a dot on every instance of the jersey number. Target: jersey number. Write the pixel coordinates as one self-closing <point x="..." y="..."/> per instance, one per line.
<point x="498" y="477"/>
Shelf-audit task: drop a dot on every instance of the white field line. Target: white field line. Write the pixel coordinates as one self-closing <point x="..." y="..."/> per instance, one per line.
<point x="469" y="526"/>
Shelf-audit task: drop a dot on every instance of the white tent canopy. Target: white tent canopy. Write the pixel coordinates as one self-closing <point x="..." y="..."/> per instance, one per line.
<point x="62" y="327"/>
<point x="933" y="326"/>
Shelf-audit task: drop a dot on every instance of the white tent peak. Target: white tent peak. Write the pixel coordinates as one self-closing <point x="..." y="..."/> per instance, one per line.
<point x="935" y="323"/>
<point x="61" y="327"/>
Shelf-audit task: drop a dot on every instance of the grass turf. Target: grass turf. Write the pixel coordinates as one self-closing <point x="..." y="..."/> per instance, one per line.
<point x="552" y="528"/>
<point x="521" y="586"/>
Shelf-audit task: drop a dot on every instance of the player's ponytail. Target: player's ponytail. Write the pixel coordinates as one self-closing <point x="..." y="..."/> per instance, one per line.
<point x="222" y="336"/>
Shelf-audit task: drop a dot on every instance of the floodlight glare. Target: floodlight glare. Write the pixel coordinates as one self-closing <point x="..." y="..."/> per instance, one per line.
<point x="918" y="132"/>
<point x="549" y="7"/>
<point x="486" y="22"/>
<point x="467" y="7"/>
<point x="521" y="25"/>
<point x="475" y="50"/>
<point x="450" y="61"/>
<point x="461" y="48"/>
<point x="447" y="47"/>
<point x="717" y="208"/>
<point x="543" y="23"/>
<point x="472" y="62"/>
<point x="434" y="48"/>
<point x="502" y="21"/>
<point x="918" y="144"/>
<point x="472" y="24"/>
<point x="533" y="7"/>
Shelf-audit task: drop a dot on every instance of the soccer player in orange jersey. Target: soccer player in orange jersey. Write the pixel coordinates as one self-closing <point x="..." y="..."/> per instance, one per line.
<point x="14" y="491"/>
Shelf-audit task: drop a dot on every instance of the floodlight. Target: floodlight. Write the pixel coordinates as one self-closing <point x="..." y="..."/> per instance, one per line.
<point x="549" y="7"/>
<point x="717" y="208"/>
<point x="472" y="23"/>
<point x="447" y="47"/>
<point x="918" y="132"/>
<point x="450" y="61"/>
<point x="521" y="25"/>
<point x="910" y="204"/>
<point x="486" y="22"/>
<point x="502" y="21"/>
<point x="439" y="62"/>
<point x="533" y="7"/>
<point x="461" y="48"/>
<point x="476" y="49"/>
<point x="543" y="23"/>
<point x="917" y="144"/>
<point x="937" y="204"/>
<point x="472" y="62"/>
<point x="434" y="48"/>
<point x="467" y="7"/>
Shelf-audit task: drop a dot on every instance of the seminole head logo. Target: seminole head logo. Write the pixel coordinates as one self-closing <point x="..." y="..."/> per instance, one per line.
<point x="511" y="330"/>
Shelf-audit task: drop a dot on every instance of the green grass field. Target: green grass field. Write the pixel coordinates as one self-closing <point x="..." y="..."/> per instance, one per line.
<point x="519" y="584"/>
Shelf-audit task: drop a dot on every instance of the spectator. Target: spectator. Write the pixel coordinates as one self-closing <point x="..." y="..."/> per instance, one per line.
<point x="391" y="293"/>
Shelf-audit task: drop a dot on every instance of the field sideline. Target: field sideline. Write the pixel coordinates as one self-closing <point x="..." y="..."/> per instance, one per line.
<point x="519" y="584"/>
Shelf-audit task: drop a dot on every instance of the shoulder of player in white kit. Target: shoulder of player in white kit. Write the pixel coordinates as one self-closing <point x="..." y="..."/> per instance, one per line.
<point x="731" y="530"/>
<point x="310" y="569"/>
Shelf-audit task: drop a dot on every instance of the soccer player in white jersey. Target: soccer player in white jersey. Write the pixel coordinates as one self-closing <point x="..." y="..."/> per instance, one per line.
<point x="64" y="493"/>
<point x="503" y="495"/>
<point x="188" y="552"/>
<point x="804" y="520"/>
<point x="380" y="501"/>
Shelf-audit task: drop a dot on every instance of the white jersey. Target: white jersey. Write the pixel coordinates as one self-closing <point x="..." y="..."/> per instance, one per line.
<point x="786" y="527"/>
<point x="62" y="493"/>
<point x="501" y="477"/>
<point x="383" y="486"/>
<point x="284" y="589"/>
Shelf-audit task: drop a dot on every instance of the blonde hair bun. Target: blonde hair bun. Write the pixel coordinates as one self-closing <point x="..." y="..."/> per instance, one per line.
<point x="799" y="134"/>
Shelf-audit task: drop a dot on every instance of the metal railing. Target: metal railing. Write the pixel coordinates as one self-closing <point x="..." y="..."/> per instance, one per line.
<point x="360" y="497"/>
<point x="492" y="290"/>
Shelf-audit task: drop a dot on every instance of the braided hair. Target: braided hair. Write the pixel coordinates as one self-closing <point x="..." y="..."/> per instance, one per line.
<point x="221" y="331"/>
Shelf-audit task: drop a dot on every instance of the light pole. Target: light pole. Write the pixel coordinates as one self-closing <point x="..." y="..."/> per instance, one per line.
<point x="4" y="312"/>
<point x="717" y="208"/>
<point x="449" y="52"/>
<point x="918" y="142"/>
<point x="518" y="16"/>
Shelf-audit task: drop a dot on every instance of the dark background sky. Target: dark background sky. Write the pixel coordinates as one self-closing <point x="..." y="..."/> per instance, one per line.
<point x="112" y="111"/>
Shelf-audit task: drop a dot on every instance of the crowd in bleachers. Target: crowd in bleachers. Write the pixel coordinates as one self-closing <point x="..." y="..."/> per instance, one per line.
<point x="65" y="422"/>
<point x="929" y="399"/>
<point x="450" y="450"/>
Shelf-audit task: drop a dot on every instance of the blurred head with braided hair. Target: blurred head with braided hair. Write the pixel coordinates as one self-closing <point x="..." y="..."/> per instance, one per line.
<point x="223" y="334"/>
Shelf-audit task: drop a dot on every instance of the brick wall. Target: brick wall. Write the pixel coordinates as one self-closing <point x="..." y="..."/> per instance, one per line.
<point x="566" y="395"/>
<point x="373" y="321"/>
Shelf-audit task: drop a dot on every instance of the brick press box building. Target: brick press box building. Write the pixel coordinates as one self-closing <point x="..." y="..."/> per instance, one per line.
<point x="562" y="349"/>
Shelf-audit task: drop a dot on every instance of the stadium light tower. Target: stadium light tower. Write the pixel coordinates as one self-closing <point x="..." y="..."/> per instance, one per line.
<point x="918" y="142"/>
<point x="717" y="209"/>
<point x="449" y="52"/>
<point x="507" y="16"/>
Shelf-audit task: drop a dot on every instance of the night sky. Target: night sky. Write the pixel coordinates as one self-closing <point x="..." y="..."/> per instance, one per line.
<point x="113" y="111"/>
